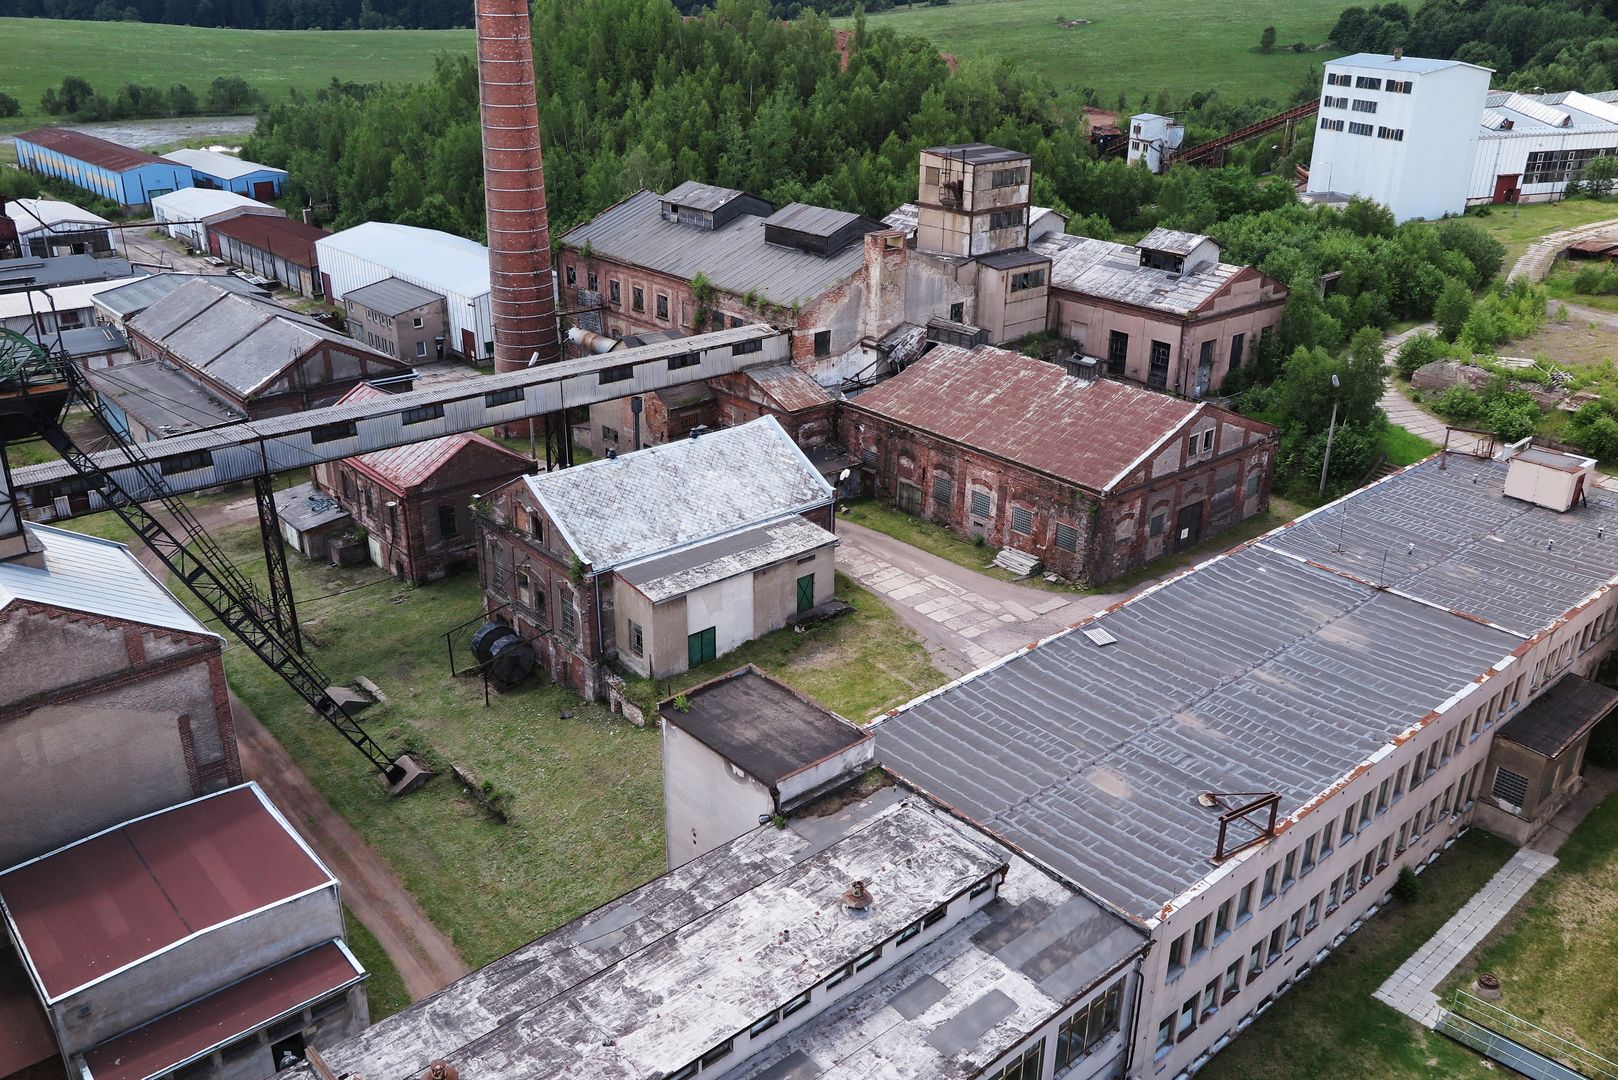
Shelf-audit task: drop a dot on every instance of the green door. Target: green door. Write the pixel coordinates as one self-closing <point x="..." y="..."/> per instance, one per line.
<point x="806" y="592"/>
<point x="701" y="647"/>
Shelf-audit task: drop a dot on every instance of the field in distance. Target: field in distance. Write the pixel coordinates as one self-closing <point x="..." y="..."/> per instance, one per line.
<point x="39" y="52"/>
<point x="1134" y="47"/>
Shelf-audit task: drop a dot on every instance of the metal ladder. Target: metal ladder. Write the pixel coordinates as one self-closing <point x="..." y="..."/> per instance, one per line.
<point x="208" y="573"/>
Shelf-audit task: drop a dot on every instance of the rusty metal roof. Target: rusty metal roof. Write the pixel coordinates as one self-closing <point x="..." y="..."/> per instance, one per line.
<point x="91" y="150"/>
<point x="1101" y="268"/>
<point x="413" y="465"/>
<point x="1555" y="720"/>
<point x="282" y="237"/>
<point x="1029" y="412"/>
<point x="789" y="388"/>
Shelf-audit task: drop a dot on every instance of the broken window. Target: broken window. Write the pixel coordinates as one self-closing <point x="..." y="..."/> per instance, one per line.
<point x="612" y="290"/>
<point x="1158" y="375"/>
<point x="637" y="300"/>
<point x="822" y="342"/>
<point x="1117" y="352"/>
<point x="1004" y="219"/>
<point x="1006" y="178"/>
<point x="448" y="527"/>
<point x="957" y="313"/>
<point x="1028" y="279"/>
<point x="593" y="281"/>
<point x="663" y="306"/>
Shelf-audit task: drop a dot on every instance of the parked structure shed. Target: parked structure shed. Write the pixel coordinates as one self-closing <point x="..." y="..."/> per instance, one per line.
<point x="276" y="248"/>
<point x="47" y="227"/>
<point x="186" y="214"/>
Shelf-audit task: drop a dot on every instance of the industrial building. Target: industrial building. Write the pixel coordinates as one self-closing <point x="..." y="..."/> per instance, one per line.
<point x="226" y="172"/>
<point x="274" y="248"/>
<point x="209" y="355"/>
<point x="1531" y="145"/>
<point x="415" y="501"/>
<point x="1090" y="478"/>
<point x="204" y="940"/>
<point x="186" y="214"/>
<point x="662" y="559"/>
<point x="450" y="266"/>
<point x="116" y="306"/>
<point x="40" y="313"/>
<point x="1248" y="830"/>
<point x="46" y="227"/>
<point x="398" y="318"/>
<point x="131" y="178"/>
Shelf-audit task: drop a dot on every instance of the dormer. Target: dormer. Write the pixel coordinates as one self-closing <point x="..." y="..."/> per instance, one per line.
<point x="708" y="207"/>
<point x="815" y="229"/>
<point x="1176" y="252"/>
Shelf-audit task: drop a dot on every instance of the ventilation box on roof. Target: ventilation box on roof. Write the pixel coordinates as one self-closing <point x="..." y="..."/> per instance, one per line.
<point x="1548" y="478"/>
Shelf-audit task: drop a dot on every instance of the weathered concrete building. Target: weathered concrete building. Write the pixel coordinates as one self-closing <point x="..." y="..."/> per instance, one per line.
<point x="659" y="560"/>
<point x="102" y="674"/>
<point x="1359" y="766"/>
<point x="400" y="319"/>
<point x="415" y="501"/>
<point x="1092" y="477"/>
<point x="203" y="940"/>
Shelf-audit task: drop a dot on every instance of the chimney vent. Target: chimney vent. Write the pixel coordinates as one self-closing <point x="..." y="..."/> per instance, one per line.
<point x="1398" y="54"/>
<point x="857" y="897"/>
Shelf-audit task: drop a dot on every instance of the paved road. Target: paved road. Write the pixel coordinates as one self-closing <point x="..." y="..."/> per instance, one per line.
<point x="426" y="958"/>
<point x="967" y="619"/>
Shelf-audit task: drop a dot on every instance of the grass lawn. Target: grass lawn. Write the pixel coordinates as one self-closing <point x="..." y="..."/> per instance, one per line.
<point x="1329" y="1026"/>
<point x="1554" y="953"/>
<point x="384" y="990"/>
<point x="1120" y="51"/>
<point x="937" y="540"/>
<point x="39" y="52"/>
<point x="1520" y="227"/>
<point x="1404" y="448"/>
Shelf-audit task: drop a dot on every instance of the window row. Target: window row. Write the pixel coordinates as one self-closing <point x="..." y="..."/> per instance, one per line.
<point x="1396" y="134"/>
<point x="1360" y="129"/>
<point x="1328" y="124"/>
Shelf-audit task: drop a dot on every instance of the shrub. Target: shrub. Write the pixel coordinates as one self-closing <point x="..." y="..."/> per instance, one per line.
<point x="1513" y="416"/>
<point x="1407" y="886"/>
<point x="1418" y="351"/>
<point x="1453" y="307"/>
<point x="9" y="106"/>
<point x="1459" y="403"/>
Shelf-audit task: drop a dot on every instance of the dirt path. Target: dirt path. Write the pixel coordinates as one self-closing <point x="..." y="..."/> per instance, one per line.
<point x="426" y="958"/>
<point x="1536" y="262"/>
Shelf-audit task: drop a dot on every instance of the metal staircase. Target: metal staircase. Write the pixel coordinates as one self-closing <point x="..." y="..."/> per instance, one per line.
<point x="212" y="578"/>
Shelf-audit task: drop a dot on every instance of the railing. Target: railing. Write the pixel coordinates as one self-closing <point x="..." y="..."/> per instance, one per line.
<point x="1526" y="1047"/>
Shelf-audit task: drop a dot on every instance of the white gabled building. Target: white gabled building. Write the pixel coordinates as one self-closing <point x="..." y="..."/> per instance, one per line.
<point x="186" y="214"/>
<point x="1531" y="145"/>
<point x="1401" y="131"/>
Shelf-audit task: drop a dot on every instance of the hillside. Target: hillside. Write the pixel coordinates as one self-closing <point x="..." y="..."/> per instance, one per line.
<point x="39" y="52"/>
<point x="1133" y="46"/>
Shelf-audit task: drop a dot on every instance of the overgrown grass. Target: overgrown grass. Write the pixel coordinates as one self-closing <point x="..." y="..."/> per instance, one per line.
<point x="1120" y="50"/>
<point x="385" y="989"/>
<point x="1554" y="954"/>
<point x="39" y="52"/>
<point x="859" y="665"/>
<point x="1405" y="448"/>
<point x="1330" y="1026"/>
<point x="1520" y="227"/>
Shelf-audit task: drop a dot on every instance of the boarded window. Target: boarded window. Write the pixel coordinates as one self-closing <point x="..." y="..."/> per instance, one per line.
<point x="909" y="498"/>
<point x="197" y="459"/>
<point x="980" y="503"/>
<point x="447" y="525"/>
<point x="1510" y="787"/>
<point x="1067" y="537"/>
<point x="822" y="342"/>
<point x="943" y="492"/>
<point x="1022" y="520"/>
<point x="621" y="373"/>
<point x="1155" y="526"/>
<point x="343" y="429"/>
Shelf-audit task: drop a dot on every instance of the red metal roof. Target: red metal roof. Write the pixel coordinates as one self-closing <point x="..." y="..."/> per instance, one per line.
<point x="120" y="896"/>
<point x="25" y="1031"/>
<point x="789" y="387"/>
<point x="1029" y="412"/>
<point x="236" y="1010"/>
<point x="412" y="465"/>
<point x="91" y="150"/>
<point x="282" y="237"/>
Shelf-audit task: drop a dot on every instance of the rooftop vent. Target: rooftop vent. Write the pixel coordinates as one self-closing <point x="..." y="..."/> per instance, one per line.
<point x="441" y="1070"/>
<point x="1083" y="368"/>
<point x="1099" y="636"/>
<point x="857" y="897"/>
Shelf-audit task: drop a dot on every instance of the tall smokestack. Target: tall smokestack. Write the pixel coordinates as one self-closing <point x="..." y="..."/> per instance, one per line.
<point x="514" y="183"/>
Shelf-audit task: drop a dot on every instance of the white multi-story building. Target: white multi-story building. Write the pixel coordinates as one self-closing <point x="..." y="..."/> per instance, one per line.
<point x="1401" y="131"/>
<point x="1150" y="137"/>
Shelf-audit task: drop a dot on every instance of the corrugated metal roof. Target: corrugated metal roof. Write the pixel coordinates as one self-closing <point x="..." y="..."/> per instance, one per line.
<point x="651" y="501"/>
<point x="196" y="203"/>
<point x="1567" y="113"/>
<point x="812" y="220"/>
<point x="1029" y="412"/>
<point x="86" y="573"/>
<point x="403" y="468"/>
<point x="222" y="166"/>
<point x="160" y="399"/>
<point x="789" y="387"/>
<point x="684" y="569"/>
<point x="449" y="263"/>
<point x="1415" y="65"/>
<point x="735" y="257"/>
<point x="89" y="149"/>
<point x="390" y="296"/>
<point x="1295" y="660"/>
<point x="1113" y="272"/>
<point x="63" y="270"/>
<point x="282" y="237"/>
<point x="142" y="293"/>
<point x="31" y="215"/>
<point x="60" y="298"/>
<point x="238" y="340"/>
<point x="701" y="196"/>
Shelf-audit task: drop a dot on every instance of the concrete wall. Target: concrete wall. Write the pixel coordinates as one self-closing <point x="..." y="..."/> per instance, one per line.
<point x="196" y="968"/>
<point x="398" y="335"/>
<point x="1551" y="784"/>
<point x="707" y="801"/>
<point x="1009" y="314"/>
<point x="102" y="722"/>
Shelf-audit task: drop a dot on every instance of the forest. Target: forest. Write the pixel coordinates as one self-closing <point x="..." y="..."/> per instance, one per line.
<point x="1547" y="45"/>
<point x="257" y="14"/>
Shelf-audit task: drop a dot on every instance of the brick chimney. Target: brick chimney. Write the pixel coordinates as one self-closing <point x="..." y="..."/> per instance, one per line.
<point x="521" y="296"/>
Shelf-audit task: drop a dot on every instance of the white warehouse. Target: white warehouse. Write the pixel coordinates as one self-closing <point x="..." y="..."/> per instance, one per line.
<point x="1401" y="131"/>
<point x="187" y="212"/>
<point x="452" y="266"/>
<point x="1531" y="145"/>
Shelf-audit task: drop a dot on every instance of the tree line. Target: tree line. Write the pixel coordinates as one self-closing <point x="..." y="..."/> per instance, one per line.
<point x="76" y="99"/>
<point x="257" y="14"/>
<point x="1551" y="45"/>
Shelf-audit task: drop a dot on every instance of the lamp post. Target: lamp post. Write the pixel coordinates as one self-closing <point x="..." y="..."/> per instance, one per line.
<point x="1336" y="384"/>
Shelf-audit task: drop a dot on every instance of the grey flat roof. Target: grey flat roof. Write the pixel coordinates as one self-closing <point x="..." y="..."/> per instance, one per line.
<point x="633" y="966"/>
<point x="304" y="507"/>
<point x="90" y="341"/>
<point x="160" y="398"/>
<point x="1112" y="271"/>
<point x="1567" y="709"/>
<point x="390" y="296"/>
<point x="1173" y="241"/>
<point x="762" y="725"/>
<point x="1011" y="260"/>
<point x="1415" y="65"/>
<point x="63" y="270"/>
<point x="1281" y="666"/>
<point x="735" y="256"/>
<point x="700" y="196"/>
<point x="679" y="572"/>
<point x="137" y="296"/>
<point x="978" y="153"/>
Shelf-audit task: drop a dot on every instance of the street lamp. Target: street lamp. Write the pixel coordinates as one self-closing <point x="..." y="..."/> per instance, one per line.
<point x="1336" y="385"/>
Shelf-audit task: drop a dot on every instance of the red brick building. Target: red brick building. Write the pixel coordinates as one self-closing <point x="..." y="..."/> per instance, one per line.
<point x="1093" y="477"/>
<point x="415" y="501"/>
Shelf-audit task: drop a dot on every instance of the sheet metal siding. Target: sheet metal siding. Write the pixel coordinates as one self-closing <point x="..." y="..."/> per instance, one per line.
<point x="348" y="271"/>
<point x="244" y="451"/>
